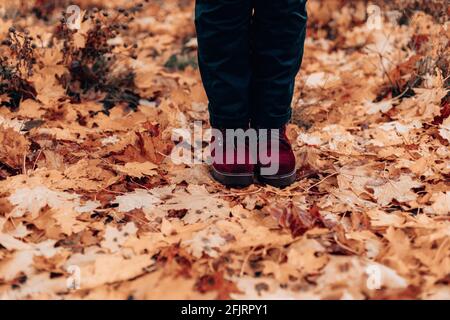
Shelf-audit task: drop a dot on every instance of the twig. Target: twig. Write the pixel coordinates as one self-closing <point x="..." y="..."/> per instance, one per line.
<point x="244" y="263"/>
<point x="24" y="164"/>
<point x="316" y="184"/>
<point x="37" y="158"/>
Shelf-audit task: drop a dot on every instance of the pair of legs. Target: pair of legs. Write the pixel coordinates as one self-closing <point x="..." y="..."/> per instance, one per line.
<point x="249" y="54"/>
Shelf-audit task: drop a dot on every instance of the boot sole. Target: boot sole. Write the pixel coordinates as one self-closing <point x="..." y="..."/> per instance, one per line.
<point x="280" y="181"/>
<point x="240" y="180"/>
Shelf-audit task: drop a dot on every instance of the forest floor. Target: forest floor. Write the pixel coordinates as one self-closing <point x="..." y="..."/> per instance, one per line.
<point x="92" y="207"/>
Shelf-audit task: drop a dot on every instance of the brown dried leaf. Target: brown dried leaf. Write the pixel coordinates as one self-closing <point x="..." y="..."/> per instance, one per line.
<point x="298" y="221"/>
<point x="14" y="148"/>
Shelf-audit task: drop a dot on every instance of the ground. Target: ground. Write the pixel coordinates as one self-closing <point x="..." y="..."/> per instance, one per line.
<point x="92" y="205"/>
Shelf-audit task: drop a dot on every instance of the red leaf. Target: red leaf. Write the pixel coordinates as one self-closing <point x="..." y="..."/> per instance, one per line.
<point x="216" y="282"/>
<point x="419" y="40"/>
<point x="445" y="113"/>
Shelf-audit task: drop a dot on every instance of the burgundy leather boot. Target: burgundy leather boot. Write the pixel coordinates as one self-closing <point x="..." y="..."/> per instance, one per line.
<point x="282" y="159"/>
<point x="235" y="172"/>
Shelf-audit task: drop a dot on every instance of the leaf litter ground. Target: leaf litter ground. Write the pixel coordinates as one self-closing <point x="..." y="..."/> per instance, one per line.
<point x="91" y="205"/>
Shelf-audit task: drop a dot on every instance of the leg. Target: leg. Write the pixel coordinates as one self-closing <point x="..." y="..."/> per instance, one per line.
<point x="223" y="32"/>
<point x="278" y="34"/>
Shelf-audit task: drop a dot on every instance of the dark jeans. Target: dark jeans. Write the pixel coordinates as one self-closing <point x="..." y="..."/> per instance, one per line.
<point x="249" y="54"/>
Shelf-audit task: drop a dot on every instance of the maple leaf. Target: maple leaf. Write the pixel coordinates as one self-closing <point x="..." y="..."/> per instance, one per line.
<point x="355" y="273"/>
<point x="308" y="255"/>
<point x="14" y="148"/>
<point x="110" y="140"/>
<point x="217" y="282"/>
<point x="400" y="190"/>
<point x="87" y="174"/>
<point x="32" y="200"/>
<point x="139" y="199"/>
<point x="321" y="80"/>
<point x="382" y="106"/>
<point x="115" y="238"/>
<point x="206" y="241"/>
<point x="445" y="113"/>
<point x="138" y="169"/>
<point x="147" y="146"/>
<point x="382" y="219"/>
<point x="200" y="204"/>
<point x="441" y="203"/>
<point x="354" y="179"/>
<point x="22" y="259"/>
<point x="49" y="90"/>
<point x="309" y="139"/>
<point x="444" y="129"/>
<point x="14" y="124"/>
<point x="371" y="112"/>
<point x="296" y="220"/>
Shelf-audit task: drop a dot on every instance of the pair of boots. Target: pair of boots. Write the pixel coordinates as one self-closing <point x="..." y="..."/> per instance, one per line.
<point x="271" y="161"/>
